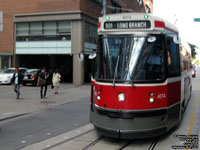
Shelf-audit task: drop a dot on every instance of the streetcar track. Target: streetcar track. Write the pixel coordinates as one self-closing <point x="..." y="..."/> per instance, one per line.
<point x="93" y="143"/>
<point x="60" y="143"/>
<point x="100" y="138"/>
<point x="127" y="144"/>
<point x="151" y="147"/>
<point x="97" y="140"/>
<point x="154" y="143"/>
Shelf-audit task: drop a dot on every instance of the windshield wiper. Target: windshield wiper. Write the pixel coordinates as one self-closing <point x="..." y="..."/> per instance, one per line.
<point x="131" y="80"/>
<point x="116" y="67"/>
<point x="118" y="57"/>
<point x="129" y="74"/>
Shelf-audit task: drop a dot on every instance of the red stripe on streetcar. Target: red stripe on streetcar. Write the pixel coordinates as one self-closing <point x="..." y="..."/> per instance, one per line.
<point x="137" y="98"/>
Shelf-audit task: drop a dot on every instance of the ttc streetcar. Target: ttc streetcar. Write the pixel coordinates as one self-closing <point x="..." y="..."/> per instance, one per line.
<point x="142" y="81"/>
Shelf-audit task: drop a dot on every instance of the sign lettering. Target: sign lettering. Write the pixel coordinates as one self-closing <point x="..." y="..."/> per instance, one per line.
<point x="145" y="24"/>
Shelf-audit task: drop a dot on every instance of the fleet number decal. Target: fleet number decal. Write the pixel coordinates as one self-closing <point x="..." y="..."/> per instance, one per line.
<point x="161" y="96"/>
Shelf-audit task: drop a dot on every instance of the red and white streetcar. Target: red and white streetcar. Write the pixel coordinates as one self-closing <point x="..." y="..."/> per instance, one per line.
<point x="142" y="80"/>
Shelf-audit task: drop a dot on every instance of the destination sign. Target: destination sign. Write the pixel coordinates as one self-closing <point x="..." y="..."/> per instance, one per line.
<point x="144" y="24"/>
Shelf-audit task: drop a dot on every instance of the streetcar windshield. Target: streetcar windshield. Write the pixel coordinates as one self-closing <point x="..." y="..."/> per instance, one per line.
<point x="129" y="57"/>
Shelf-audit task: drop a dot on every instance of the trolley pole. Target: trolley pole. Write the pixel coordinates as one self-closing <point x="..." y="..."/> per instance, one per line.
<point x="104" y="7"/>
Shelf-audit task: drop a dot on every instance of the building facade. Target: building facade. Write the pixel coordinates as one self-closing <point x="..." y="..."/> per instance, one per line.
<point x="52" y="33"/>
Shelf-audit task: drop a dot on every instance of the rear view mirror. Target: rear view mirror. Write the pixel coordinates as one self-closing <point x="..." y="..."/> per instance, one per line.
<point x="93" y="55"/>
<point x="151" y="39"/>
<point x="176" y="39"/>
<point x="80" y="57"/>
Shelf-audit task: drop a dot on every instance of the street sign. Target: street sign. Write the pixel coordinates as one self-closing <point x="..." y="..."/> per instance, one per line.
<point x="197" y="19"/>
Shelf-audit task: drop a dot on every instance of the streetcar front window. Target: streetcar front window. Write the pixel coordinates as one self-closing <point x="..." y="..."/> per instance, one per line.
<point x="128" y="57"/>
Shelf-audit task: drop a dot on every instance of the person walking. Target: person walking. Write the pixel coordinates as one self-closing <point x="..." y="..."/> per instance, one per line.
<point x="17" y="81"/>
<point x="56" y="81"/>
<point x="42" y="82"/>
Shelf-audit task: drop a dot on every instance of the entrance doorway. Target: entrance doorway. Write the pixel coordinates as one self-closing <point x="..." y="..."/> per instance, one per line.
<point x="62" y="62"/>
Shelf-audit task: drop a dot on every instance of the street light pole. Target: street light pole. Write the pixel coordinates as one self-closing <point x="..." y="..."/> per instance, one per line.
<point x="104" y="7"/>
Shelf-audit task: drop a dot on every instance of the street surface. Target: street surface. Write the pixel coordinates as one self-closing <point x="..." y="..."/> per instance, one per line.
<point x="62" y="122"/>
<point x="33" y="119"/>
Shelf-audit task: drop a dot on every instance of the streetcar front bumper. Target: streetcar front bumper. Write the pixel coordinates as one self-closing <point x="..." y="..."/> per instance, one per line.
<point x="130" y="134"/>
<point x="134" y="124"/>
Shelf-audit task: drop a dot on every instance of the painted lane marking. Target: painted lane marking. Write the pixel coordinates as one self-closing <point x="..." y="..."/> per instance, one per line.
<point x="191" y="123"/>
<point x="48" y="133"/>
<point x="23" y="141"/>
<point x="193" y="111"/>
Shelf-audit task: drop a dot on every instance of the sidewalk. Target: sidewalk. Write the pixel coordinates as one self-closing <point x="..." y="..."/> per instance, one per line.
<point x="30" y="101"/>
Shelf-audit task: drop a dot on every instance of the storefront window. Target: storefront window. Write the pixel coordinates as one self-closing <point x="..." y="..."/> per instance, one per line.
<point x="90" y="33"/>
<point x="36" y="28"/>
<point x="64" y="27"/>
<point x="50" y="28"/>
<point x="115" y="8"/>
<point x="43" y="31"/>
<point x="22" y="29"/>
<point x="97" y="2"/>
<point x="4" y="62"/>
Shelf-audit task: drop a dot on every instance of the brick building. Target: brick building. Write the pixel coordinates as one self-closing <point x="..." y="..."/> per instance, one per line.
<point x="52" y="33"/>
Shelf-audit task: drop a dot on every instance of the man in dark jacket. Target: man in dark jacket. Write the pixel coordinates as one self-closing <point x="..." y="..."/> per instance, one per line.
<point x="17" y="81"/>
<point x="43" y="77"/>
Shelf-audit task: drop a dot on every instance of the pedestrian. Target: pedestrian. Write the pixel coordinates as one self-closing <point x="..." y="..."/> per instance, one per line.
<point x="42" y="82"/>
<point x="56" y="81"/>
<point x="17" y="81"/>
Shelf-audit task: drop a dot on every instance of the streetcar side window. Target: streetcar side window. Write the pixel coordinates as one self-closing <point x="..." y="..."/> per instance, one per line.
<point x="173" y="63"/>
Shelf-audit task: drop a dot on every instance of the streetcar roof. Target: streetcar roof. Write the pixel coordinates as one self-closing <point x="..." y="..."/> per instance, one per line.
<point x="134" y="22"/>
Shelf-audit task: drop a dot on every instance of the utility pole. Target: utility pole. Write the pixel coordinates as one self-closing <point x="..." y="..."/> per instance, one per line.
<point x="104" y="7"/>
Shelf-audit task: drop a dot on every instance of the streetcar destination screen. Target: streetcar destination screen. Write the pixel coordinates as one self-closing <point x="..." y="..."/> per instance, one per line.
<point x="144" y="24"/>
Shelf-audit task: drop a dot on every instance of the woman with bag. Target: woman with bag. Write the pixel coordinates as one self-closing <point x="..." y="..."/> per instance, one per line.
<point x="42" y="82"/>
<point x="56" y="81"/>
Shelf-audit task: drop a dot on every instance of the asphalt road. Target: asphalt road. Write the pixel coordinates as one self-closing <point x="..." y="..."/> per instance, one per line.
<point x="20" y="132"/>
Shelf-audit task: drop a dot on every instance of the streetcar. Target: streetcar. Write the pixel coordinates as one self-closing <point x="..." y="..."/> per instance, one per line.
<point x="142" y="80"/>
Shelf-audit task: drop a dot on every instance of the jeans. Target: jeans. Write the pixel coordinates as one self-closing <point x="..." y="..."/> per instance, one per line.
<point x="45" y="90"/>
<point x="17" y="90"/>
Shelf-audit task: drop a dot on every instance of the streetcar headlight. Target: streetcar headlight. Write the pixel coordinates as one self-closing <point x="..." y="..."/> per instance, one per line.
<point x="98" y="97"/>
<point x="151" y="94"/>
<point x="151" y="100"/>
<point x="121" y="97"/>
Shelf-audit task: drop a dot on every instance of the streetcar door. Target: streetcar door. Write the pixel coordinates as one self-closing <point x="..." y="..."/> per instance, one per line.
<point x="173" y="69"/>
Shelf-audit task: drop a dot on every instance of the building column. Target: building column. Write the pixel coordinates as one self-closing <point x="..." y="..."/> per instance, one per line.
<point x="10" y="62"/>
<point x="1" y="67"/>
<point x="16" y="61"/>
<point x="77" y="47"/>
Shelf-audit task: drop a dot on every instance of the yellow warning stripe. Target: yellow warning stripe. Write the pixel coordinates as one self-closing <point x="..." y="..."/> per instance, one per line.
<point x="193" y="111"/>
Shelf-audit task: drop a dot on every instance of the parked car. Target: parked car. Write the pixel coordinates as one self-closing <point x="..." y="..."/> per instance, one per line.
<point x="193" y="71"/>
<point x="7" y="74"/>
<point x="31" y="76"/>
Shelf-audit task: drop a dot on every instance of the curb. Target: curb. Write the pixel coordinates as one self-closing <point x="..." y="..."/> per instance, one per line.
<point x="7" y="117"/>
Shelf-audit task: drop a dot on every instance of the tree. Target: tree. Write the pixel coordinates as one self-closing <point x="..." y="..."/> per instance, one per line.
<point x="197" y="62"/>
<point x="193" y="49"/>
